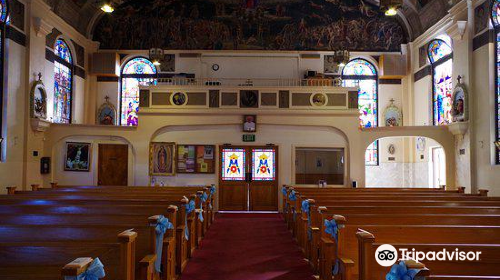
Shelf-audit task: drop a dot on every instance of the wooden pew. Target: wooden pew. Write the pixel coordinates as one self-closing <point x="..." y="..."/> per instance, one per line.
<point x="134" y="212"/>
<point x="376" y="204"/>
<point x="488" y="266"/>
<point x="44" y="260"/>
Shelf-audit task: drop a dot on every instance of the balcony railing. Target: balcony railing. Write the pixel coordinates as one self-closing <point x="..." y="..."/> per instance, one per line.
<point x="228" y="82"/>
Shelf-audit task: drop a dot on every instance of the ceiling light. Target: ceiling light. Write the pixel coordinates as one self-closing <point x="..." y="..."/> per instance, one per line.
<point x="107" y="8"/>
<point x="390" y="7"/>
<point x="391" y="12"/>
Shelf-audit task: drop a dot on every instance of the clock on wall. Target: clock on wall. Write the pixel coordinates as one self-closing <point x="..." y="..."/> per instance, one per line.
<point x="215" y="67"/>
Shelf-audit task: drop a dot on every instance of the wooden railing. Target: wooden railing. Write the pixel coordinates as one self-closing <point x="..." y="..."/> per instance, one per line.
<point x="243" y="82"/>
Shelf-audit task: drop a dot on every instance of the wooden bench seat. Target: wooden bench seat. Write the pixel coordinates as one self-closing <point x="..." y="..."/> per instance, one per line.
<point x="44" y="260"/>
<point x="133" y="205"/>
<point x="489" y="264"/>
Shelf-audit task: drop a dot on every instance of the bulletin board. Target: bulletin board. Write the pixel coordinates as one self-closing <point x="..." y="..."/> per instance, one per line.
<point x="196" y="159"/>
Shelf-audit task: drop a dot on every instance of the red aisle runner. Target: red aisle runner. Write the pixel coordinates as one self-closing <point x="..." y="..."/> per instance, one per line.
<point x="248" y="247"/>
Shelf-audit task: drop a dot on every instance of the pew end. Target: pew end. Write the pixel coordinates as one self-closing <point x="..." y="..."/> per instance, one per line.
<point x="146" y="267"/>
<point x="72" y="270"/>
<point x="127" y="240"/>
<point x="483" y="192"/>
<point x="11" y="190"/>
<point x="35" y="187"/>
<point x="424" y="271"/>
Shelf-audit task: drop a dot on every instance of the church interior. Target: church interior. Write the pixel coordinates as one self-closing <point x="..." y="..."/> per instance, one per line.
<point x="249" y="139"/>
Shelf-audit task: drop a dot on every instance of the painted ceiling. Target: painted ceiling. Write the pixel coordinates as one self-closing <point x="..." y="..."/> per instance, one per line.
<point x="250" y="25"/>
<point x="254" y="24"/>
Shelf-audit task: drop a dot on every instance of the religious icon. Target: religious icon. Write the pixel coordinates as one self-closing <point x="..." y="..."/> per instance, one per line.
<point x="162" y="159"/>
<point x="459" y="110"/>
<point x="319" y="99"/>
<point x="38" y="99"/>
<point x="179" y="99"/>
<point x="250" y="124"/>
<point x="106" y="115"/>
<point x="77" y="157"/>
<point x="392" y="115"/>
<point x="263" y="167"/>
<point x="233" y="166"/>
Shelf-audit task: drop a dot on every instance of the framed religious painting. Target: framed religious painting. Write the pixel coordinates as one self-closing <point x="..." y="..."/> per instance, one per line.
<point x="162" y="159"/>
<point x="249" y="123"/>
<point x="77" y="157"/>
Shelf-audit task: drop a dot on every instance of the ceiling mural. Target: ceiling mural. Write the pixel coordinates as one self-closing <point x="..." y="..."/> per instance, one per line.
<point x="249" y="25"/>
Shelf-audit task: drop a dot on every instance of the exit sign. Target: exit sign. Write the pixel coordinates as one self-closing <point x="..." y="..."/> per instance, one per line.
<point x="248" y="137"/>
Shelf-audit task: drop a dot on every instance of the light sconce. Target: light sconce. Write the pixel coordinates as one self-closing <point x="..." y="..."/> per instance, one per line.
<point x="156" y="55"/>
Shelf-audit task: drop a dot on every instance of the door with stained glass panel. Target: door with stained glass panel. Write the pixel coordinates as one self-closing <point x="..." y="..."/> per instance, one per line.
<point x="248" y="178"/>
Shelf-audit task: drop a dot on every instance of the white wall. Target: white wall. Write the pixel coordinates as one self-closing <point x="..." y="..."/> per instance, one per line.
<point x="11" y="170"/>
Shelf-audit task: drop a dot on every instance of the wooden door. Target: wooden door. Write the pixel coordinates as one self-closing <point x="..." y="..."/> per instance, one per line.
<point x="263" y="186"/>
<point x="248" y="178"/>
<point x="233" y="178"/>
<point x="112" y="165"/>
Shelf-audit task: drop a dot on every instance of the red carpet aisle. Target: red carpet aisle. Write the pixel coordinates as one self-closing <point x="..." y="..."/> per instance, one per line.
<point x="248" y="247"/>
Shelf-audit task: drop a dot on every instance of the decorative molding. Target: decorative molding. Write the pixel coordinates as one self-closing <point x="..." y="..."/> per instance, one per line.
<point x="39" y="125"/>
<point x="457" y="30"/>
<point x="42" y="28"/>
<point x="458" y="128"/>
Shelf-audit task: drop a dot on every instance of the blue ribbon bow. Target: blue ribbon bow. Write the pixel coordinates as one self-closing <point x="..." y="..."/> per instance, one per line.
<point x="283" y="190"/>
<point x="189" y="208"/>
<point x="94" y="272"/>
<point x="305" y="206"/>
<point x="292" y="196"/>
<point x="306" y="209"/>
<point x="332" y="228"/>
<point x="161" y="227"/>
<point x="203" y="198"/>
<point x="401" y="272"/>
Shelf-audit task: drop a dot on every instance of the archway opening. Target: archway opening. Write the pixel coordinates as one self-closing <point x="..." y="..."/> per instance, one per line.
<point x="408" y="162"/>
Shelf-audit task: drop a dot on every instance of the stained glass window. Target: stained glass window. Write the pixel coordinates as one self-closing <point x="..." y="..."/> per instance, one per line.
<point x="137" y="72"/>
<point x="440" y="56"/>
<point x="233" y="164"/>
<point x="360" y="72"/>
<point x="3" y="23"/>
<point x="263" y="164"/>
<point x="495" y="16"/>
<point x="63" y="82"/>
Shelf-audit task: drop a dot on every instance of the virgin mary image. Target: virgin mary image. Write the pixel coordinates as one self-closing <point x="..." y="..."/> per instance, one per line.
<point x="162" y="160"/>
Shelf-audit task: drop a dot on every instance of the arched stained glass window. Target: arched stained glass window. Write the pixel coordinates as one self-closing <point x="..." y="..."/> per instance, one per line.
<point x="136" y="72"/>
<point x="4" y="15"/>
<point x="63" y="82"/>
<point x="440" y="55"/>
<point x="495" y="17"/>
<point x="362" y="72"/>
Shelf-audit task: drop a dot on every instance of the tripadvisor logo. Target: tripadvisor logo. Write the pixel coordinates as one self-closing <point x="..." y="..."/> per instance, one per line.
<point x="386" y="255"/>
